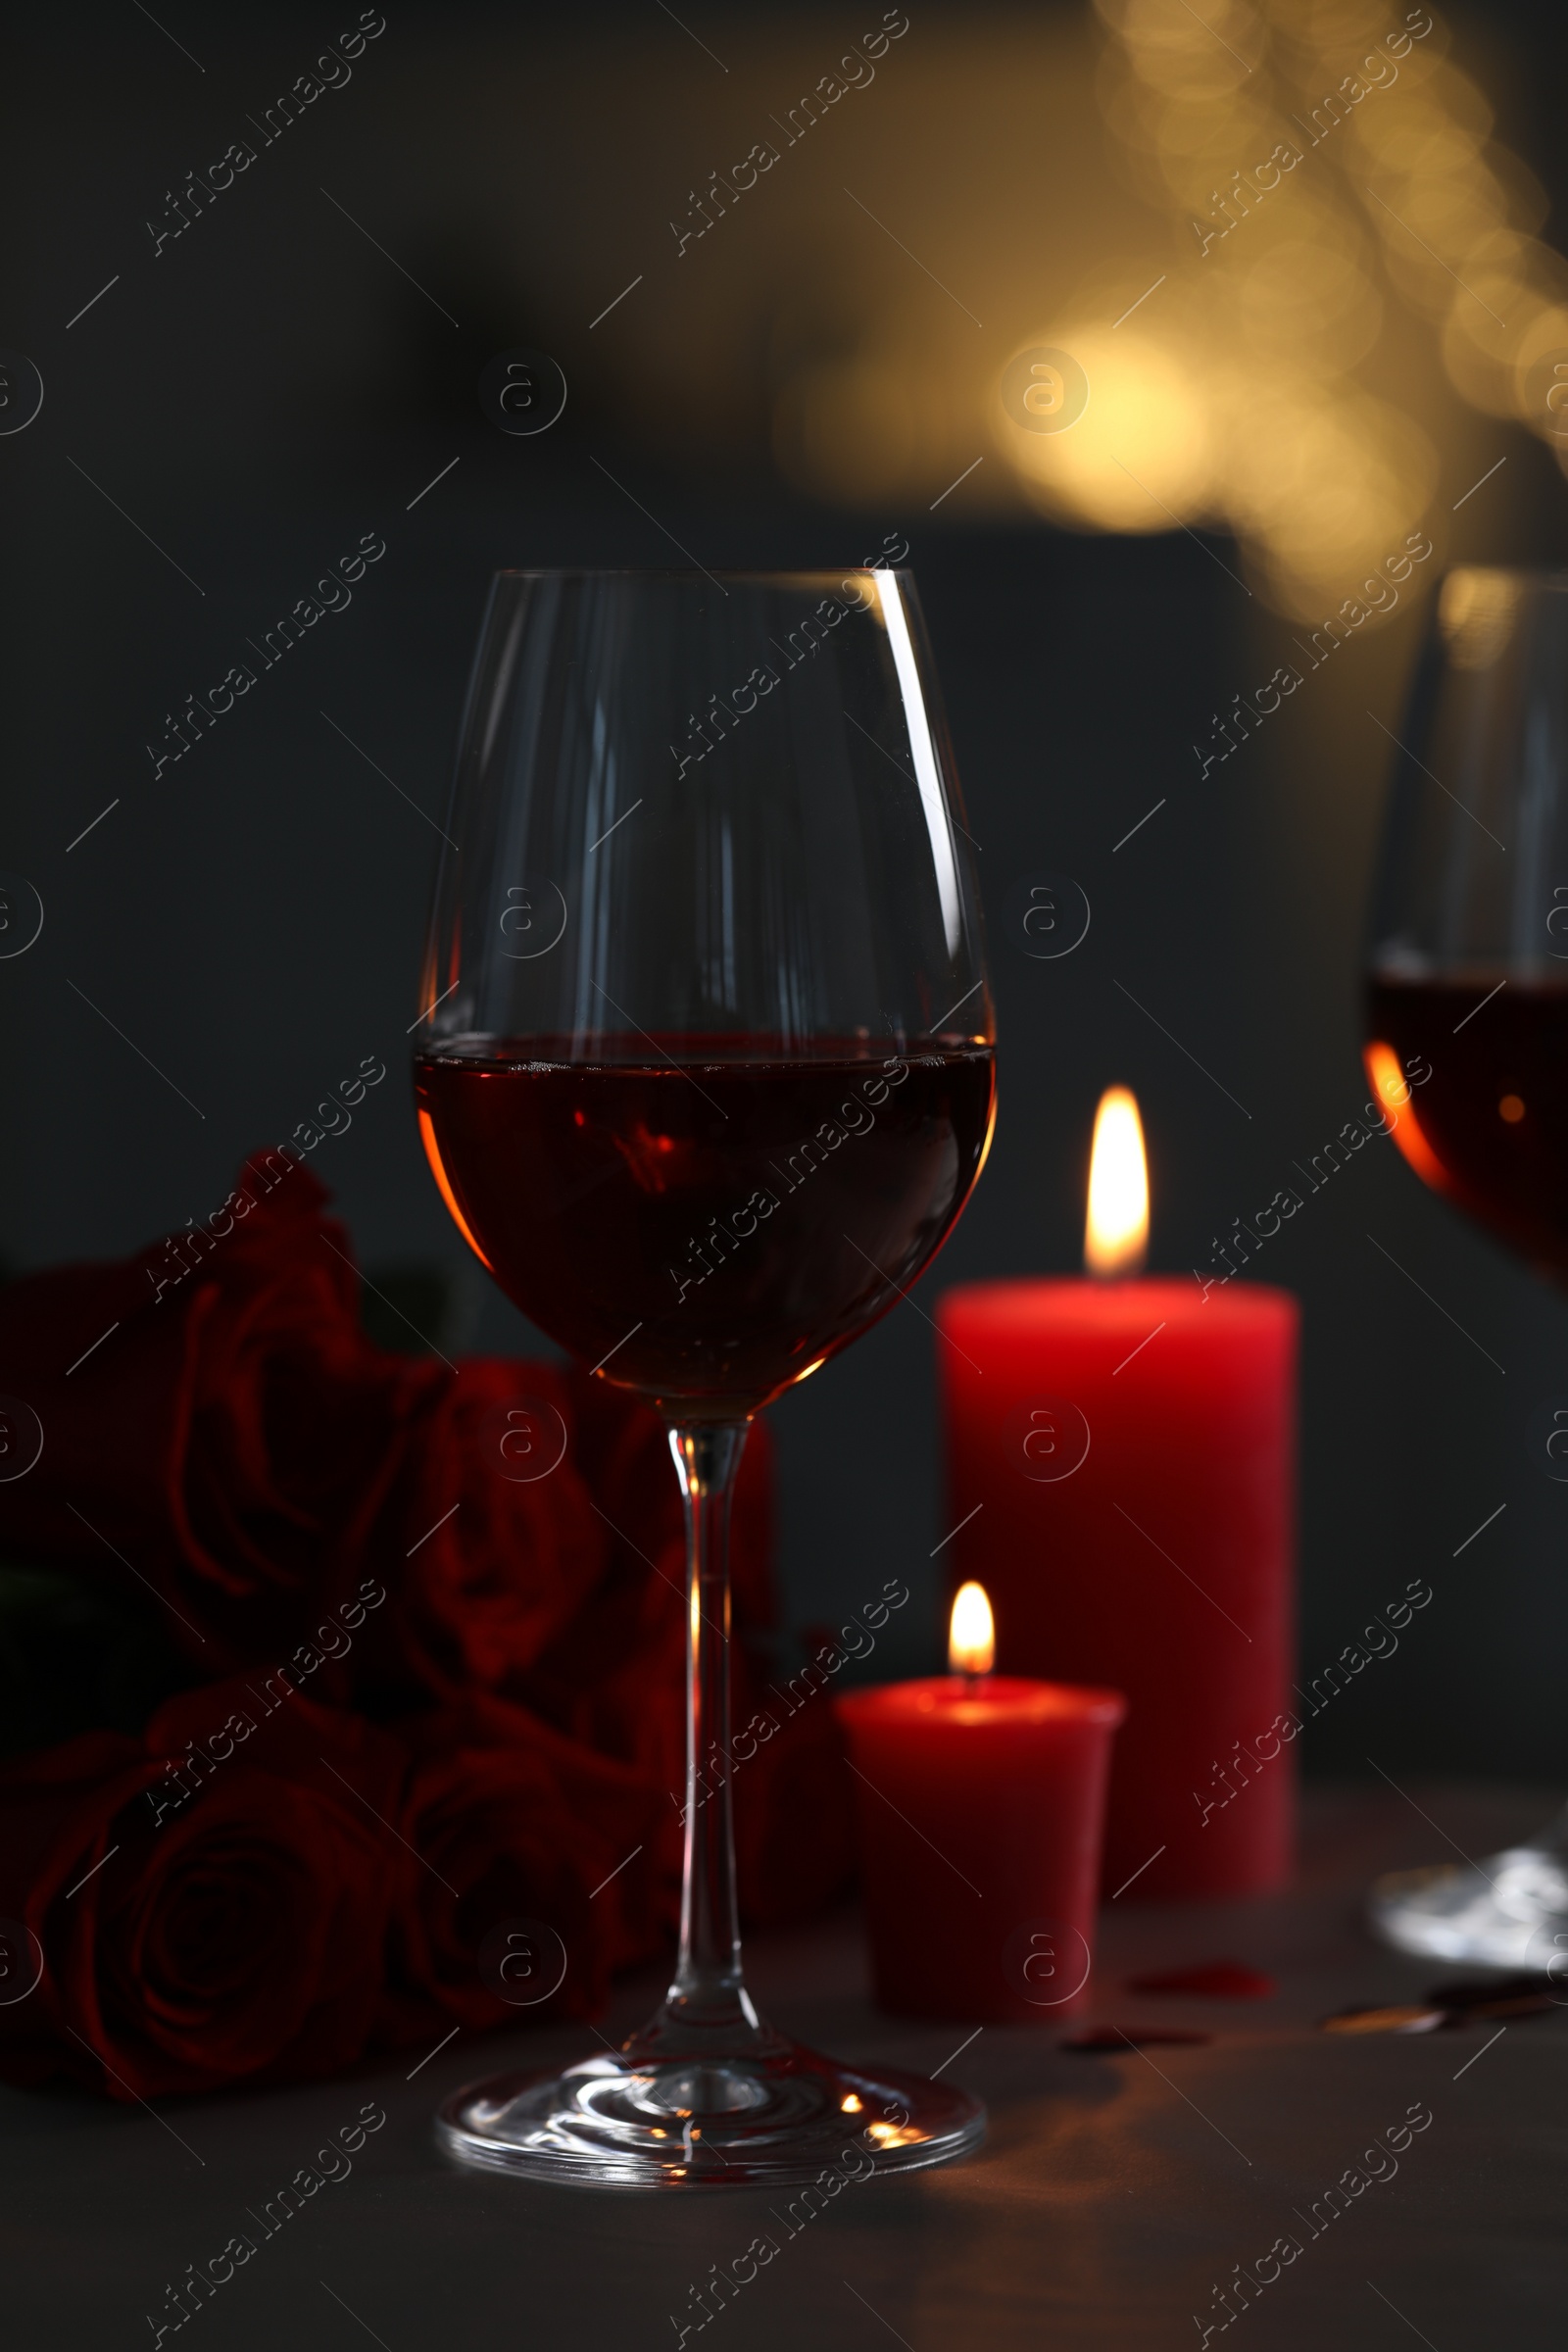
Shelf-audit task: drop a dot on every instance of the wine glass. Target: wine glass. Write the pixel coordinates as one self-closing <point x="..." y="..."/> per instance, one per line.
<point x="1467" y="1028"/>
<point x="704" y="1076"/>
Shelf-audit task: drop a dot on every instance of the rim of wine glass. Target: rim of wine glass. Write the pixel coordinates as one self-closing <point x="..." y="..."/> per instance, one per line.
<point x="632" y="571"/>
<point x="1532" y="576"/>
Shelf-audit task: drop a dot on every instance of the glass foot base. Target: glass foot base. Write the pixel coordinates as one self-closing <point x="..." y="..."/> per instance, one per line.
<point x="755" y="2122"/>
<point x="1505" y="1912"/>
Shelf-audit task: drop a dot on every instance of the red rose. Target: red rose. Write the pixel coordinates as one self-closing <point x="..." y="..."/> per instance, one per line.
<point x="511" y="1824"/>
<point x="289" y="1418"/>
<point x="227" y="1433"/>
<point x="211" y="1900"/>
<point x="489" y="1540"/>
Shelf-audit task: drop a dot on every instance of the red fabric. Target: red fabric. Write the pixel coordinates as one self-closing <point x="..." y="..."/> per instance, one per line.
<point x="341" y="1534"/>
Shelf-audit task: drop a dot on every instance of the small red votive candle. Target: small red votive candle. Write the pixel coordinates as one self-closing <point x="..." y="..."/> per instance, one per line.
<point x="981" y="1801"/>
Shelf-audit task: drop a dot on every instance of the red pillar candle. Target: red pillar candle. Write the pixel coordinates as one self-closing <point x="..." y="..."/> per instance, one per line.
<point x="981" y="1804"/>
<point x="1121" y="1456"/>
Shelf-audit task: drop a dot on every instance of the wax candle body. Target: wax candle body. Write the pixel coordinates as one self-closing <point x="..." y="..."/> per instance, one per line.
<point x="1133" y="1448"/>
<point x="981" y="1812"/>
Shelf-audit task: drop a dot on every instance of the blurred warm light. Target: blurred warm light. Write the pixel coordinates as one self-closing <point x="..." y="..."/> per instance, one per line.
<point x="1190" y="53"/>
<point x="1475" y="611"/>
<point x="1392" y="1089"/>
<point x="1318" y="294"/>
<point x="1236" y="401"/>
<point x="1138" y="459"/>
<point x="895" y="2136"/>
<point x="1284" y="349"/>
<point x="971" y="1635"/>
<point x="1116" y="1226"/>
<point x="1326" y="482"/>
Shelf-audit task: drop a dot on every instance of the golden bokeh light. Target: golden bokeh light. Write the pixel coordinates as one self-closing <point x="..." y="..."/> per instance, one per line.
<point x="1475" y="614"/>
<point x="1280" y="238"/>
<point x="1321" y="164"/>
<point x="1143" y="401"/>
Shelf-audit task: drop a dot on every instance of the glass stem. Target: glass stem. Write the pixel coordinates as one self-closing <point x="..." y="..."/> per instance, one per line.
<point x="709" y="1991"/>
<point x="708" y="2010"/>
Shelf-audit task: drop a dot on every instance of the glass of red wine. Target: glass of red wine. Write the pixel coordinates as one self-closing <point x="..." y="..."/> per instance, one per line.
<point x="704" y="1076"/>
<point x="1467" y="1051"/>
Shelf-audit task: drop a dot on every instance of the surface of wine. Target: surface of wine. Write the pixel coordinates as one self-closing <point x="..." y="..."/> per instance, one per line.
<point x="710" y="1226"/>
<point x="1494" y="1112"/>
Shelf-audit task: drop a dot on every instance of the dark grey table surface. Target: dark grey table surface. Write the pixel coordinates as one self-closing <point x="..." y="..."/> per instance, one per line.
<point x="1113" y="2195"/>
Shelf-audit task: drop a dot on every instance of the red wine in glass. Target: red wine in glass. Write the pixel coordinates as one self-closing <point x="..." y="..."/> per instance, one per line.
<point x="707" y="1225"/>
<point x="1488" y="1127"/>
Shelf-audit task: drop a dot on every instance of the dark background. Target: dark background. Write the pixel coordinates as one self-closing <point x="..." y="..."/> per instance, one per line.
<point x="270" y="387"/>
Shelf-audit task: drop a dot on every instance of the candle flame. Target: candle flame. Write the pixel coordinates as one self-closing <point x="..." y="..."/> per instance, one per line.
<point x="1117" y="1228"/>
<point x="971" y="1638"/>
